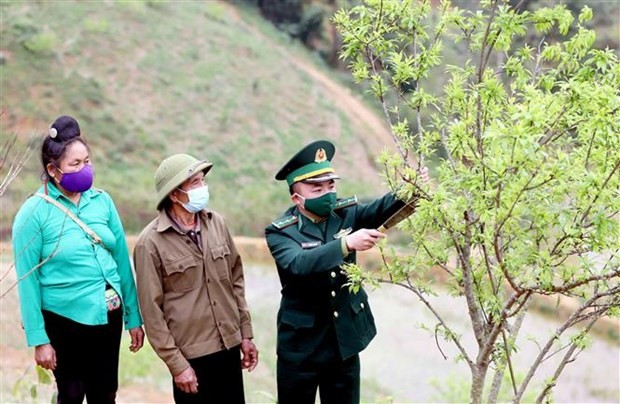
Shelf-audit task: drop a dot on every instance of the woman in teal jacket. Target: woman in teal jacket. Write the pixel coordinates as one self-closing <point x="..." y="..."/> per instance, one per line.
<point x="76" y="286"/>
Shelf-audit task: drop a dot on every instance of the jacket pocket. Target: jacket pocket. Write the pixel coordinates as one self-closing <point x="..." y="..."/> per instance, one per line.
<point x="298" y="319"/>
<point x="182" y="274"/>
<point x="296" y="332"/>
<point x="363" y="320"/>
<point x="221" y="257"/>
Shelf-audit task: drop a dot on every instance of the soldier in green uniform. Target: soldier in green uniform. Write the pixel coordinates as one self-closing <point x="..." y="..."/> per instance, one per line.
<point x="322" y="326"/>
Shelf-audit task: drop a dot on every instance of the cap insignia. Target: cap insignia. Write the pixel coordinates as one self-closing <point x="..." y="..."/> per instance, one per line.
<point x="320" y="155"/>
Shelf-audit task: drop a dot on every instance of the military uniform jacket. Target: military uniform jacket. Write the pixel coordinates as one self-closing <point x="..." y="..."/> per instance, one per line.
<point x="319" y="319"/>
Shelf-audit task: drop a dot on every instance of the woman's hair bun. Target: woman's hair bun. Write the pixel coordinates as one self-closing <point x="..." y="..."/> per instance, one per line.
<point x="64" y="128"/>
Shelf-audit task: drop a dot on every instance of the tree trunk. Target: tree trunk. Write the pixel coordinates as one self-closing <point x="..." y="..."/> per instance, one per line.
<point x="477" y="383"/>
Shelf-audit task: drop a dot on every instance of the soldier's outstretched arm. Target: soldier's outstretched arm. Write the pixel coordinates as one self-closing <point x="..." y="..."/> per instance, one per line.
<point x="291" y="257"/>
<point x="373" y="214"/>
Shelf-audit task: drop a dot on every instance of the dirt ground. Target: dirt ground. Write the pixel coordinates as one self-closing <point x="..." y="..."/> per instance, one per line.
<point x="402" y="364"/>
<point x="405" y="361"/>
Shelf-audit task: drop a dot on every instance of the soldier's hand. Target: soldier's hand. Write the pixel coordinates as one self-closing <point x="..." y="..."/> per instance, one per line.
<point x="186" y="381"/>
<point x="423" y="174"/>
<point x="363" y="239"/>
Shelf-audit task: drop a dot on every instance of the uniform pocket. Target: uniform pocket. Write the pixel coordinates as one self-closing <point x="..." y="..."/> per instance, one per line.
<point x="182" y="274"/>
<point x="221" y="256"/>
<point x="298" y="319"/>
<point x="296" y="332"/>
<point x="363" y="320"/>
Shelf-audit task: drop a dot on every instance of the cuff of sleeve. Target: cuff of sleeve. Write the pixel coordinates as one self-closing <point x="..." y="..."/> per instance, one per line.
<point x="37" y="337"/>
<point x="132" y="320"/>
<point x="246" y="331"/>
<point x="177" y="364"/>
<point x="345" y="249"/>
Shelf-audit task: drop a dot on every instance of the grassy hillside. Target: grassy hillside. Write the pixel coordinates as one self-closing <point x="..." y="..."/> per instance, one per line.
<point x="147" y="79"/>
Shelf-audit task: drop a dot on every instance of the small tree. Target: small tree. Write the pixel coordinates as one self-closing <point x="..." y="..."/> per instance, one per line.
<point x="12" y="161"/>
<point x="525" y="132"/>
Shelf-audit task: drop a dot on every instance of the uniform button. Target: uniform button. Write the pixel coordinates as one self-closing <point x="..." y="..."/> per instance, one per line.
<point x="362" y="305"/>
<point x="333" y="274"/>
<point x="214" y="303"/>
<point x="187" y="242"/>
<point x="333" y="294"/>
<point x="208" y="280"/>
<point x="336" y="314"/>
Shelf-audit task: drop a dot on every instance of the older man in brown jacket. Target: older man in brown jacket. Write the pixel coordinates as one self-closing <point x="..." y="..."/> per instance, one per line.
<point x="191" y="289"/>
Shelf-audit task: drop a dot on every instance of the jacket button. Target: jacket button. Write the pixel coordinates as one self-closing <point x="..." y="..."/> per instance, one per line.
<point x="333" y="274"/>
<point x="362" y="305"/>
<point x="214" y="303"/>
<point x="333" y="294"/>
<point x="335" y="314"/>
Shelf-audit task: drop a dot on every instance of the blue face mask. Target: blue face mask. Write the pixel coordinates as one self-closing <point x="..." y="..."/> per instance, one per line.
<point x="198" y="199"/>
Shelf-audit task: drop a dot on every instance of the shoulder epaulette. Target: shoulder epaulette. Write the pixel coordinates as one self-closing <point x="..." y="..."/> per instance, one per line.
<point x="346" y="202"/>
<point x="285" y="221"/>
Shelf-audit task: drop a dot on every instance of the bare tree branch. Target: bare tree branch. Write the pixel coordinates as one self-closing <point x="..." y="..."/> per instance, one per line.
<point x="439" y="318"/>
<point x="547" y="347"/>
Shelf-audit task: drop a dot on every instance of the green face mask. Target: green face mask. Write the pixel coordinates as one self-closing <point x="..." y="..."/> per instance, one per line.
<point x="321" y="206"/>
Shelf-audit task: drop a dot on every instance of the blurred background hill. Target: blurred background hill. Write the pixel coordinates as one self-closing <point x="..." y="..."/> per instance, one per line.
<point x="244" y="84"/>
<point x="149" y="79"/>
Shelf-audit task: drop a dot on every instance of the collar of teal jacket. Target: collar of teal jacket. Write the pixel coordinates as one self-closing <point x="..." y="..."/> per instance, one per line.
<point x="54" y="192"/>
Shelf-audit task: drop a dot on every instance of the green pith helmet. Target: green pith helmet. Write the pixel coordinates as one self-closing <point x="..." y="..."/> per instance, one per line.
<point x="310" y="164"/>
<point x="173" y="171"/>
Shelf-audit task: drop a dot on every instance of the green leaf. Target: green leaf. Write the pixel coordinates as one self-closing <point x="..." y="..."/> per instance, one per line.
<point x="43" y="376"/>
<point x="585" y="14"/>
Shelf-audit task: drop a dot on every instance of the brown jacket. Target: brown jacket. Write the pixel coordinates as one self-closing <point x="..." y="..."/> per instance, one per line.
<point x="193" y="302"/>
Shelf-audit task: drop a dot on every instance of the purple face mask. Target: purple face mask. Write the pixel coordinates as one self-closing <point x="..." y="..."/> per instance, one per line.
<point x="78" y="181"/>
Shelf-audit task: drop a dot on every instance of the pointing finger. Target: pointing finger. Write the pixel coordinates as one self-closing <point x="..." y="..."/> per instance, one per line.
<point x="376" y="234"/>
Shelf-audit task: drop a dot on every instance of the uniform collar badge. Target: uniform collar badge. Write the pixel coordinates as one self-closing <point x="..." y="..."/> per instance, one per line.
<point x="343" y="233"/>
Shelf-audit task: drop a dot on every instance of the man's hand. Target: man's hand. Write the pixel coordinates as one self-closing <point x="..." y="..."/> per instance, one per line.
<point x="137" y="339"/>
<point x="250" y="354"/>
<point x="363" y="239"/>
<point x="186" y="381"/>
<point x="45" y="356"/>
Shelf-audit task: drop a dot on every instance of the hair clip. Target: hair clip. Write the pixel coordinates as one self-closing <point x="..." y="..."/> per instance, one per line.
<point x="53" y="133"/>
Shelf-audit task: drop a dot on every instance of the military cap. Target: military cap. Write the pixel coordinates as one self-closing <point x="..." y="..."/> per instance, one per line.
<point x="310" y="164"/>
<point x="173" y="171"/>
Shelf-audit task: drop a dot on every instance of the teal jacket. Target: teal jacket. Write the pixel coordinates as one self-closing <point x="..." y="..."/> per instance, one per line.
<point x="319" y="319"/>
<point x="62" y="271"/>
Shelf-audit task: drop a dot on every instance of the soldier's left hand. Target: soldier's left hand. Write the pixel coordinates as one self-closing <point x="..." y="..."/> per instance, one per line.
<point x="423" y="174"/>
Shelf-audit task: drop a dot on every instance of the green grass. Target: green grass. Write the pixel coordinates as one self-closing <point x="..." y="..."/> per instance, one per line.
<point x="149" y="79"/>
